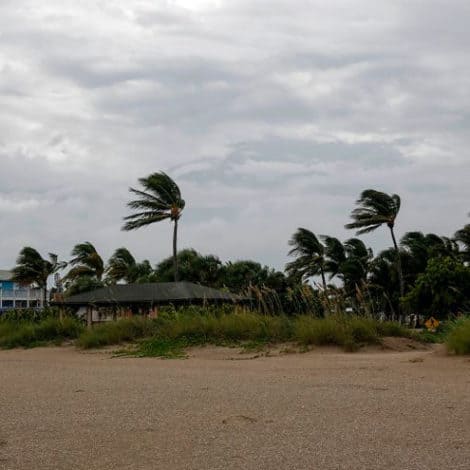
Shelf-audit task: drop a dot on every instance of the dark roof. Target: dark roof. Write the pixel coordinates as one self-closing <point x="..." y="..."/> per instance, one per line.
<point x="157" y="293"/>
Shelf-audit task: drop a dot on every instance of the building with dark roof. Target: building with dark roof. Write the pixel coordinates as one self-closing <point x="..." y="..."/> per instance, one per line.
<point x="158" y="293"/>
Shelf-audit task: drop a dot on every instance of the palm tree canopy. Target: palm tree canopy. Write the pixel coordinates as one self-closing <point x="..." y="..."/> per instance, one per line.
<point x="123" y="266"/>
<point x="160" y="199"/>
<point x="120" y="265"/>
<point x="31" y="267"/>
<point x="86" y="261"/>
<point x="335" y="255"/>
<point x="375" y="208"/>
<point x="309" y="252"/>
<point x="463" y="236"/>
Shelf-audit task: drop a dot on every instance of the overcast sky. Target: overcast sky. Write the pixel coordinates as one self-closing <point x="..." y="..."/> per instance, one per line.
<point x="269" y="114"/>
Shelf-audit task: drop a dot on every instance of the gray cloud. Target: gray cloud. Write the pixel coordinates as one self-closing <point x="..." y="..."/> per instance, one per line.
<point x="270" y="115"/>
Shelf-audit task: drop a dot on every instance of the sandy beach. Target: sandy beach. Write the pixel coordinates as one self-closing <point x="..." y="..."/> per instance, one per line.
<point x="63" y="409"/>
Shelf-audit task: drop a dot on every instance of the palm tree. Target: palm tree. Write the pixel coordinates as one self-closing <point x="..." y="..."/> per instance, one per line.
<point x="463" y="237"/>
<point x="159" y="200"/>
<point x="123" y="266"/>
<point x="31" y="267"/>
<point x="310" y="256"/>
<point x="86" y="262"/>
<point x="375" y="209"/>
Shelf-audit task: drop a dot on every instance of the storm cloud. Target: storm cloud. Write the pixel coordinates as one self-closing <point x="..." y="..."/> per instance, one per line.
<point x="269" y="114"/>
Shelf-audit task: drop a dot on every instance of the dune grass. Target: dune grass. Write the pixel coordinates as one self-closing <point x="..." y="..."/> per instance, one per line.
<point x="458" y="338"/>
<point x="28" y="334"/>
<point x="169" y="335"/>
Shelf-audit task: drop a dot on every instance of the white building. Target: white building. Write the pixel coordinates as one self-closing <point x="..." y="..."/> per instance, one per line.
<point x="14" y="295"/>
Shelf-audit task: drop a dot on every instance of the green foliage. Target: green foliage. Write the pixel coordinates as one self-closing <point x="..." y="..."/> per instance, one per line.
<point x="441" y="289"/>
<point x="81" y="284"/>
<point x="117" y="332"/>
<point x="375" y="208"/>
<point x="184" y="328"/>
<point x="122" y="266"/>
<point x="86" y="262"/>
<point x="160" y="199"/>
<point x="26" y="334"/>
<point x="29" y="314"/>
<point x="458" y="338"/>
<point x="192" y="267"/>
<point x="164" y="348"/>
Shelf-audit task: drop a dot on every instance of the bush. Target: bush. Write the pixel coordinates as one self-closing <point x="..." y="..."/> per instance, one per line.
<point x="458" y="338"/>
<point x="190" y="328"/>
<point x="120" y="331"/>
<point x="29" y="334"/>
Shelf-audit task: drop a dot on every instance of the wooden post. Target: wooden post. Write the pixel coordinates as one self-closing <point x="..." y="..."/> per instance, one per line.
<point x="89" y="316"/>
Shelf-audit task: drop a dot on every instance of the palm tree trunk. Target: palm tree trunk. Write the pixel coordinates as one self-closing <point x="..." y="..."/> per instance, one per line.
<point x="175" y="251"/>
<point x="323" y="280"/>
<point x="400" y="273"/>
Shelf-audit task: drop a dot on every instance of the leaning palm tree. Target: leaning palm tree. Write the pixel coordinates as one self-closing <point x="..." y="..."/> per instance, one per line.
<point x="376" y="209"/>
<point x="86" y="262"/>
<point x="31" y="268"/>
<point x="310" y="256"/>
<point x="159" y="200"/>
<point x="122" y="266"/>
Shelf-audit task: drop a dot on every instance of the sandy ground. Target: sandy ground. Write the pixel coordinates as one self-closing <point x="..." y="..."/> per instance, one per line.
<point x="64" y="409"/>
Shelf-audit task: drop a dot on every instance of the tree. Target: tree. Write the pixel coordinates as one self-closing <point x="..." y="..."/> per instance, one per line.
<point x="86" y="262"/>
<point x="418" y="249"/>
<point x="463" y="236"/>
<point x="310" y="256"/>
<point x="441" y="289"/>
<point x="122" y="266"/>
<point x="192" y="266"/>
<point x="32" y="268"/>
<point x="159" y="200"/>
<point x="376" y="209"/>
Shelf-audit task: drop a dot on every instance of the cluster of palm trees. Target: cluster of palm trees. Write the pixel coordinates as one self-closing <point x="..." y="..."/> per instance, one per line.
<point x="87" y="269"/>
<point x="386" y="278"/>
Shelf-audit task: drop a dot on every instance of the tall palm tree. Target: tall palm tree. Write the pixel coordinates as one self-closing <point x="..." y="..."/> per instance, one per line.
<point x="123" y="266"/>
<point x="31" y="267"/>
<point x="310" y="256"/>
<point x="159" y="200"/>
<point x="86" y="262"/>
<point x="376" y="209"/>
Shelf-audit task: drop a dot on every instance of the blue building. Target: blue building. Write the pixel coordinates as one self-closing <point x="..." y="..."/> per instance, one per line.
<point x="13" y="295"/>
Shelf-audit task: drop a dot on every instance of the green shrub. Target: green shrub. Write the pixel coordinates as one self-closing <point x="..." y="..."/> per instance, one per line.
<point x="116" y="332"/>
<point x="458" y="338"/>
<point x="197" y="325"/>
<point x="29" y="334"/>
<point x="315" y="331"/>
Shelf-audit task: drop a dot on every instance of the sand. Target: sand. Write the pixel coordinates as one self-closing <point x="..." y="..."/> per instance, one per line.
<point x="65" y="409"/>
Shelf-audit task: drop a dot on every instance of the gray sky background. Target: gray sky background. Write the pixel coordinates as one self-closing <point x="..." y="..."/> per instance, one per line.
<point x="269" y="114"/>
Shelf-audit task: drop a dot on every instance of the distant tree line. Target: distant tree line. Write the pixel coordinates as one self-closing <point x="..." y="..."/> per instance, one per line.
<point x="421" y="273"/>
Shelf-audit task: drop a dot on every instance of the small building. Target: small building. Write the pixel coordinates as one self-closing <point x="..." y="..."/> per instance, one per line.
<point x="14" y="295"/>
<point x="129" y="299"/>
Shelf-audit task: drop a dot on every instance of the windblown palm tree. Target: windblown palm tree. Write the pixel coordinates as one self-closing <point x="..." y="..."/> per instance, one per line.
<point x="31" y="268"/>
<point x="376" y="209"/>
<point x="463" y="237"/>
<point x="122" y="266"/>
<point x="310" y="256"/>
<point x="86" y="262"/>
<point x="159" y="200"/>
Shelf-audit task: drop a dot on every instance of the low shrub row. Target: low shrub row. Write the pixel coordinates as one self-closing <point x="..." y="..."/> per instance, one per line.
<point x="26" y="334"/>
<point x="183" y="330"/>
